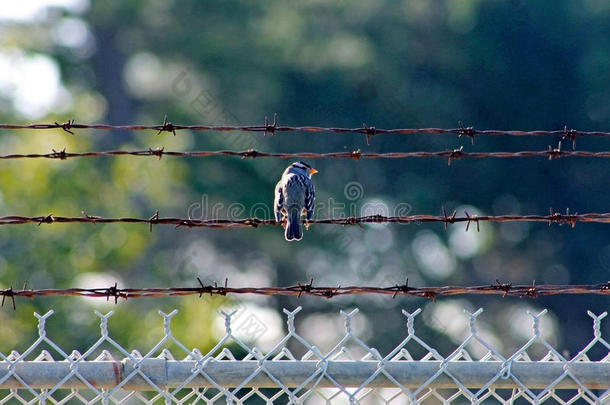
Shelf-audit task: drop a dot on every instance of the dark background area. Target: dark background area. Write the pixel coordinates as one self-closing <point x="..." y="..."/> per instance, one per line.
<point x="490" y="64"/>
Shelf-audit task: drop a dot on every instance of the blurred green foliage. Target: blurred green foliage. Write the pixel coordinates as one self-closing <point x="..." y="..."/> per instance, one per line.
<point x="493" y="64"/>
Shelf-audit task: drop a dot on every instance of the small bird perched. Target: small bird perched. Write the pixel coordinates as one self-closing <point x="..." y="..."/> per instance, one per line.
<point x="294" y="196"/>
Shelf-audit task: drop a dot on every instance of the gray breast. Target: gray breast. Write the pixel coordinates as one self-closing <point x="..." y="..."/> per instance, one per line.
<point x="294" y="190"/>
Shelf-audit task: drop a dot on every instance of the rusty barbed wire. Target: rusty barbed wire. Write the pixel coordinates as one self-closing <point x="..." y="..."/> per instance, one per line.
<point x="504" y="289"/>
<point x="254" y="222"/>
<point x="273" y="127"/>
<point x="450" y="155"/>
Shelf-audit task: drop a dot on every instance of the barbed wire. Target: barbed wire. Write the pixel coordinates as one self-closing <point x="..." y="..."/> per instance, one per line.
<point x="504" y="289"/>
<point x="254" y="222"/>
<point x="450" y="155"/>
<point x="273" y="127"/>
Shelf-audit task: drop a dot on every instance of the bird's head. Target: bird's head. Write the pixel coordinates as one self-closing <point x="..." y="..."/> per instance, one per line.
<point x="301" y="168"/>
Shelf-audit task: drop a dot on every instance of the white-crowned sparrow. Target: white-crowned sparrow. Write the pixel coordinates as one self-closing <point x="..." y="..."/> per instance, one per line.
<point x="294" y="196"/>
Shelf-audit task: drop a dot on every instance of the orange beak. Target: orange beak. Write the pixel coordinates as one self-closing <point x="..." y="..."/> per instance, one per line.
<point x="312" y="171"/>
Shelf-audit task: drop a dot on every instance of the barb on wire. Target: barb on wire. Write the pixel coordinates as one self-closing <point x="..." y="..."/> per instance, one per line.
<point x="450" y="155"/>
<point x="167" y="127"/>
<point x="273" y="128"/>
<point x="254" y="222"/>
<point x="8" y="293"/>
<point x="504" y="289"/>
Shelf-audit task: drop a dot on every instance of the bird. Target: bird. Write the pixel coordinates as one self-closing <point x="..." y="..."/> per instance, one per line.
<point x="294" y="196"/>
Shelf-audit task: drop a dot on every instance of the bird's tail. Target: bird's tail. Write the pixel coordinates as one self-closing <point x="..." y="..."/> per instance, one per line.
<point x="293" y="225"/>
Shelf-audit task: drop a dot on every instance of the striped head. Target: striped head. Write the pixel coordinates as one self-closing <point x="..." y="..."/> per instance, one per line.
<point x="300" y="168"/>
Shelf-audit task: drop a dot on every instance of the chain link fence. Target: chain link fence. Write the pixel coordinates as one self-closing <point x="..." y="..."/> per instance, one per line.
<point x="236" y="372"/>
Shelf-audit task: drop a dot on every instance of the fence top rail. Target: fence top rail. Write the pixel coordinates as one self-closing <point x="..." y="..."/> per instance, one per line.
<point x="534" y="370"/>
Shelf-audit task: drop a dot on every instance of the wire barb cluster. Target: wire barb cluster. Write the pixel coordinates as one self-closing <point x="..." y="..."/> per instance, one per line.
<point x="272" y="128"/>
<point x="504" y="289"/>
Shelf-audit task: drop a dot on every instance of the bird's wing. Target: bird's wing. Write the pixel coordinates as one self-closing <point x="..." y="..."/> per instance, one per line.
<point x="278" y="202"/>
<point x="310" y="197"/>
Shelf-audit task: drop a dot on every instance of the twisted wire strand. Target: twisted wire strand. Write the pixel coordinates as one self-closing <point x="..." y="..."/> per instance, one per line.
<point x="503" y="289"/>
<point x="273" y="127"/>
<point x="550" y="153"/>
<point x="254" y="222"/>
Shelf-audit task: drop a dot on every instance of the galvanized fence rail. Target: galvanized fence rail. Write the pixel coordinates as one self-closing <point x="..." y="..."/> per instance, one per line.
<point x="350" y="372"/>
